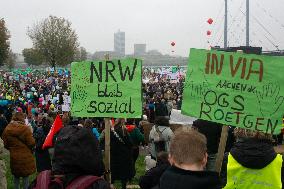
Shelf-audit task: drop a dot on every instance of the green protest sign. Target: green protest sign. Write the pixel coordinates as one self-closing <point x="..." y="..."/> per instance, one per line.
<point x="235" y="89"/>
<point x="106" y="88"/>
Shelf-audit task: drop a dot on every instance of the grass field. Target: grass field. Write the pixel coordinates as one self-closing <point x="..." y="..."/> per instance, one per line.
<point x="140" y="170"/>
<point x="9" y="176"/>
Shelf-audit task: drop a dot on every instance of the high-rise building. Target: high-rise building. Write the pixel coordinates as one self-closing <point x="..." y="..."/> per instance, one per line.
<point x="119" y="43"/>
<point x="139" y="49"/>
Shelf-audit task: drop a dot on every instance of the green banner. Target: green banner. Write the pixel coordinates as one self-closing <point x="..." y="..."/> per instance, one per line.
<point x="235" y="89"/>
<point x="174" y="69"/>
<point x="106" y="88"/>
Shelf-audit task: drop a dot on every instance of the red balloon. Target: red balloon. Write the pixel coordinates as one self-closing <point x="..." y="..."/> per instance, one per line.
<point x="210" y="21"/>
<point x="173" y="43"/>
<point x="208" y="32"/>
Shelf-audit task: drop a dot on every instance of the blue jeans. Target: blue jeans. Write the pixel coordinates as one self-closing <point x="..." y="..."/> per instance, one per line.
<point x="17" y="182"/>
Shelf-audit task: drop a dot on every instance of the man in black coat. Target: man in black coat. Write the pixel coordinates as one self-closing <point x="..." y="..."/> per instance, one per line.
<point x="212" y="132"/>
<point x="161" y="108"/>
<point x="188" y="158"/>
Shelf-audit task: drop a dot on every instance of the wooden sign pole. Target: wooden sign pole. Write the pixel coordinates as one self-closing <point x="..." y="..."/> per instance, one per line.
<point x="221" y="149"/>
<point x="107" y="149"/>
<point x="107" y="142"/>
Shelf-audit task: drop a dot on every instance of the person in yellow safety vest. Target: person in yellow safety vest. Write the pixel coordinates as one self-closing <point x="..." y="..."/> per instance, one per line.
<point x="252" y="162"/>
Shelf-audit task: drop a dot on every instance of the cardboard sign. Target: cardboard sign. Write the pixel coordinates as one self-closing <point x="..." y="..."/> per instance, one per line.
<point x="235" y="89"/>
<point x="65" y="108"/>
<point x="107" y="88"/>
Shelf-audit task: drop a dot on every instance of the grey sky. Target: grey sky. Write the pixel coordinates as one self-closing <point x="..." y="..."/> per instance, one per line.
<point x="154" y="22"/>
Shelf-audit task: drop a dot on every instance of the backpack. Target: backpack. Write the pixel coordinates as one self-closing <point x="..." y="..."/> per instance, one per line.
<point x="76" y="150"/>
<point x="159" y="140"/>
<point x="44" y="181"/>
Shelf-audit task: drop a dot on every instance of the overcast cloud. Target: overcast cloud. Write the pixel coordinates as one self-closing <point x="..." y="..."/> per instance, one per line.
<point x="154" y="22"/>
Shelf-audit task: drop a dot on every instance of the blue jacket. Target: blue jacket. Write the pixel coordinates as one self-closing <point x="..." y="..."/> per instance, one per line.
<point x="96" y="133"/>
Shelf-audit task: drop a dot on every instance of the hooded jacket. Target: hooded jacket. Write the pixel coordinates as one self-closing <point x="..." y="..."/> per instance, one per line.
<point x="19" y="141"/>
<point x="251" y="153"/>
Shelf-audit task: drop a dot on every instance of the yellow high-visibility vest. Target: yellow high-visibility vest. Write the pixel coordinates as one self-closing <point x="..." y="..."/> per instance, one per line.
<point x="240" y="177"/>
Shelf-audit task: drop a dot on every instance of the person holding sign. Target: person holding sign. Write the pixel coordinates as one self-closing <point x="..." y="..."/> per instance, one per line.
<point x="121" y="161"/>
<point x="212" y="132"/>
<point x="252" y="162"/>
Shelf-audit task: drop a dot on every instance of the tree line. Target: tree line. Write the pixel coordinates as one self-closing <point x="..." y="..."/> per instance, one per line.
<point x="54" y="43"/>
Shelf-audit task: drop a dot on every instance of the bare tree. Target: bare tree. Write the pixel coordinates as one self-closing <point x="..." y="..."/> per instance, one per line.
<point x="55" y="40"/>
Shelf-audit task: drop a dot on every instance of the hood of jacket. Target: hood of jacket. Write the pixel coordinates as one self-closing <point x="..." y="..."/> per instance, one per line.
<point x="16" y="129"/>
<point x="253" y="153"/>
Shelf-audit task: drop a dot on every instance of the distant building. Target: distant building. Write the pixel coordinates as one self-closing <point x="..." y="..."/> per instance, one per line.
<point x="119" y="43"/>
<point x="139" y="49"/>
<point x="156" y="58"/>
<point x="101" y="55"/>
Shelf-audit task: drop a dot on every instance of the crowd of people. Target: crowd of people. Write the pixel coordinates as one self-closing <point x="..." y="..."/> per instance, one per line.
<point x="176" y="159"/>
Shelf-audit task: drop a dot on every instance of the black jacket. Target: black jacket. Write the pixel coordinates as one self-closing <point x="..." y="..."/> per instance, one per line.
<point x="3" y="124"/>
<point x="212" y="132"/>
<point x="161" y="109"/>
<point x="152" y="177"/>
<point x="175" y="178"/>
<point x="43" y="161"/>
<point x="251" y="153"/>
<point x="121" y="161"/>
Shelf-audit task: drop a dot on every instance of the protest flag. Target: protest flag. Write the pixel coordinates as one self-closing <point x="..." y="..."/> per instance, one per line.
<point x="57" y="125"/>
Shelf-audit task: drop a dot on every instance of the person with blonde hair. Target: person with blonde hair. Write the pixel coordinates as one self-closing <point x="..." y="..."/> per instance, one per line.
<point x="19" y="141"/>
<point x="252" y="162"/>
<point x="188" y="158"/>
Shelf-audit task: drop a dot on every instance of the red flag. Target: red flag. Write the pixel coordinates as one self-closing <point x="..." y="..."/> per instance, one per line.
<point x="57" y="125"/>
